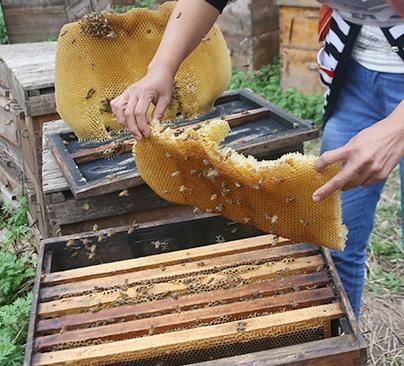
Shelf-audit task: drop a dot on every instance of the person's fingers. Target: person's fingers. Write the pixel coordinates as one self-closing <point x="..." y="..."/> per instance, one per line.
<point x="118" y="106"/>
<point x="338" y="182"/>
<point x="141" y="109"/>
<point x="131" y="124"/>
<point x="160" y="107"/>
<point x="331" y="157"/>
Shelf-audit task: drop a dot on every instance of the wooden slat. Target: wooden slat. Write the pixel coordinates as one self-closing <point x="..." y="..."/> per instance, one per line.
<point x="159" y="344"/>
<point x="82" y="303"/>
<point x="137" y="264"/>
<point x="169" y="322"/>
<point x="181" y="270"/>
<point x="130" y="312"/>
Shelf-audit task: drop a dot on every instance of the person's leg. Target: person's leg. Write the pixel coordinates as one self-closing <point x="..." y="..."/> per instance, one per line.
<point x="358" y="108"/>
<point x="393" y="87"/>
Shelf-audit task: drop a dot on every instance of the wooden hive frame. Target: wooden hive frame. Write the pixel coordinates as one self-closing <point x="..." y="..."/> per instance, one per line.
<point x="246" y="296"/>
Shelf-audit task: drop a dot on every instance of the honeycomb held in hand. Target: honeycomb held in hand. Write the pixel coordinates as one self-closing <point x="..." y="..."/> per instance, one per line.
<point x="101" y="55"/>
<point x="274" y="196"/>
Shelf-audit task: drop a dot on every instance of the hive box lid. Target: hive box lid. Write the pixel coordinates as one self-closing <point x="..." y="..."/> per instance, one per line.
<point x="259" y="128"/>
<point x="27" y="71"/>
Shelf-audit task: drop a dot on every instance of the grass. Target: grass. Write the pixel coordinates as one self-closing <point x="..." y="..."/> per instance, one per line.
<point x="3" y="31"/>
<point x="17" y="269"/>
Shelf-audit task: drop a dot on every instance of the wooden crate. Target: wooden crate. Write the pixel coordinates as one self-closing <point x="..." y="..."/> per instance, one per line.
<point x="41" y="20"/>
<point x="72" y="207"/>
<point x="252" y="300"/>
<point x="299" y="45"/>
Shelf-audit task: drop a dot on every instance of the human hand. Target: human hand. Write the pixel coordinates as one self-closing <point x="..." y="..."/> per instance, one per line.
<point x="131" y="106"/>
<point x="368" y="157"/>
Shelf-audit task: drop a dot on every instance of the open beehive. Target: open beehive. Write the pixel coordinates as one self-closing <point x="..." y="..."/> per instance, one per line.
<point x="278" y="302"/>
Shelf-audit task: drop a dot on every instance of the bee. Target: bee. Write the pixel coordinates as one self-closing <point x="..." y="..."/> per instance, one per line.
<point x="220" y="239"/>
<point x="70" y="243"/>
<point x="290" y="199"/>
<point x="241" y="326"/>
<point x="212" y="174"/>
<point x="175" y="174"/>
<point x="233" y="231"/>
<point x="93" y="248"/>
<point x="131" y="230"/>
<point x="90" y="93"/>
<point x="109" y="233"/>
<point x="111" y="177"/>
<point x="304" y="222"/>
<point x="151" y="330"/>
<point x="294" y="304"/>
<point x="62" y="330"/>
<point x="167" y="155"/>
<point x="197" y="211"/>
<point x="178" y="15"/>
<point x="74" y="254"/>
<point x="86" y="206"/>
<point x="95" y="227"/>
<point x="183" y="188"/>
<point x="213" y="197"/>
<point x="256" y="186"/>
<point x="91" y="255"/>
<point x="274" y="219"/>
<point x="193" y="171"/>
<point x="100" y="238"/>
<point x="123" y="193"/>
<point x="206" y="162"/>
<point x="246" y="220"/>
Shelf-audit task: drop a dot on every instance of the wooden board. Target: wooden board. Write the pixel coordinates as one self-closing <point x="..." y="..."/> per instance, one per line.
<point x="299" y="28"/>
<point x="299" y="45"/>
<point x="258" y="129"/>
<point x="27" y="70"/>
<point x="249" y="299"/>
<point x="299" y="69"/>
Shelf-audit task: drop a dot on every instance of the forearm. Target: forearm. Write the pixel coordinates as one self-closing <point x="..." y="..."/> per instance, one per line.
<point x="396" y="121"/>
<point x="188" y="24"/>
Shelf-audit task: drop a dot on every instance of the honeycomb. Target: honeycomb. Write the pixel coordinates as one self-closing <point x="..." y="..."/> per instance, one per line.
<point x="102" y="54"/>
<point x="192" y="168"/>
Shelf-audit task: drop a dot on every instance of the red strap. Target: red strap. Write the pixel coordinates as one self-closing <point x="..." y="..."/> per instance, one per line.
<point x="324" y="22"/>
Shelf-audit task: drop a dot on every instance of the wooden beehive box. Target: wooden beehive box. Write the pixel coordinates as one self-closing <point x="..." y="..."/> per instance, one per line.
<point x="159" y="294"/>
<point x="41" y="20"/>
<point x="27" y="100"/>
<point x="299" y="45"/>
<point x="75" y="201"/>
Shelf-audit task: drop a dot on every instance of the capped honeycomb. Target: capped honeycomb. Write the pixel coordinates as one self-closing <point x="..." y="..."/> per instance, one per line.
<point x="99" y="56"/>
<point x="192" y="168"/>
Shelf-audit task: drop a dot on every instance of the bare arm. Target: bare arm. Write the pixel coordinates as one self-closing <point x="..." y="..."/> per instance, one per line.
<point x="188" y="24"/>
<point x="368" y="157"/>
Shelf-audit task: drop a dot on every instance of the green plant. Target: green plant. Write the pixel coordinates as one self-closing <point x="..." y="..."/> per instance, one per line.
<point x="17" y="269"/>
<point x="3" y="31"/>
<point x="13" y="330"/>
<point x="151" y="4"/>
<point x="13" y="220"/>
<point x="266" y="82"/>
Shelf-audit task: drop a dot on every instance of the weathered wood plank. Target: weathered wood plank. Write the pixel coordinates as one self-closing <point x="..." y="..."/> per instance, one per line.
<point x="85" y="302"/>
<point x="159" y="344"/>
<point x="179" y="270"/>
<point x="143" y="263"/>
<point x="29" y="67"/>
<point x="343" y="350"/>
<point x="164" y="323"/>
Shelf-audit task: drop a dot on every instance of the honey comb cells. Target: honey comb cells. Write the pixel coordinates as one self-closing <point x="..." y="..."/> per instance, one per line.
<point x="274" y="196"/>
<point x="101" y="55"/>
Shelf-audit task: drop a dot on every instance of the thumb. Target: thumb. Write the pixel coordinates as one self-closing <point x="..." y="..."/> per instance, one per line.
<point x="160" y="108"/>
